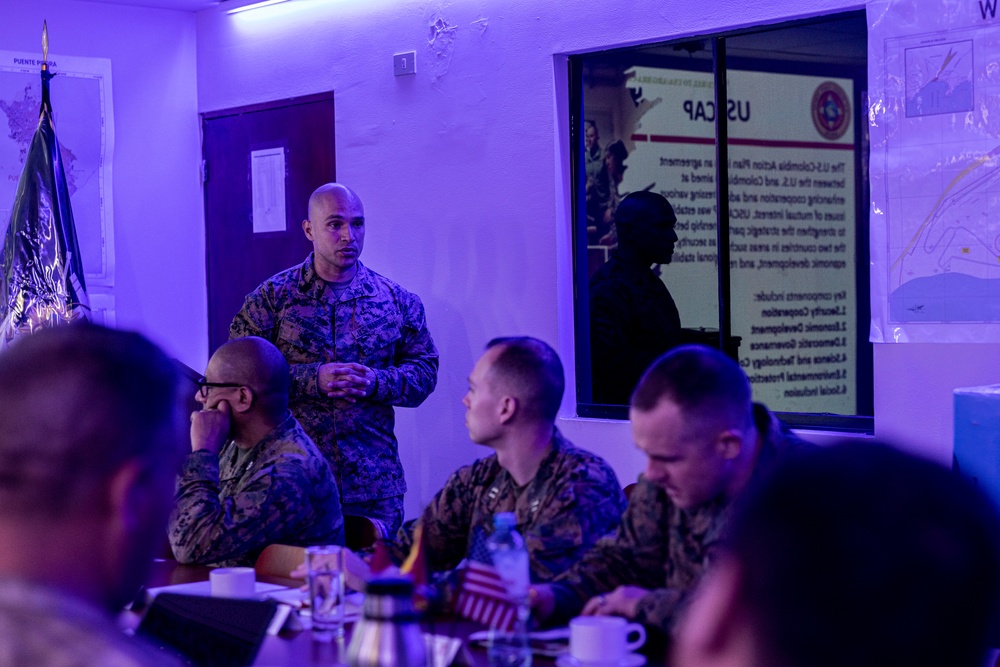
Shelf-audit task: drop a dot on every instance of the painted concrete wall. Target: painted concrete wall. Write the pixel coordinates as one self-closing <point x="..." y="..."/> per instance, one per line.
<point x="461" y="166"/>
<point x="159" y="224"/>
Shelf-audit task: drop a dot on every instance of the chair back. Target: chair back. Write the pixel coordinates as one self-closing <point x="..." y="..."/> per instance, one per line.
<point x="629" y="488"/>
<point x="362" y="532"/>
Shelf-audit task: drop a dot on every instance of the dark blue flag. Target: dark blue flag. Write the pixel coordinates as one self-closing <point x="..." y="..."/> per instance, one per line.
<point x="41" y="279"/>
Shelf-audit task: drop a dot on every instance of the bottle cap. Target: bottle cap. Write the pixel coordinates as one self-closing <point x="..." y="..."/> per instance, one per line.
<point x="504" y="520"/>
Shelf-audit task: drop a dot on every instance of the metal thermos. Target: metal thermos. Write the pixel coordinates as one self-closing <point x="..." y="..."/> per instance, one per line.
<point x="388" y="634"/>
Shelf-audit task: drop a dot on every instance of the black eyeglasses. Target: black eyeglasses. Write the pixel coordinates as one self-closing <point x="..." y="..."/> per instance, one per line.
<point x="203" y="386"/>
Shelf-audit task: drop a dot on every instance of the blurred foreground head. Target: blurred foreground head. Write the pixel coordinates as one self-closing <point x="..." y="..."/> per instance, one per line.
<point x="851" y="555"/>
<point x="91" y="436"/>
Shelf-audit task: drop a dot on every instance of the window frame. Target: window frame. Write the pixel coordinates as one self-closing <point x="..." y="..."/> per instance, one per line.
<point x="721" y="62"/>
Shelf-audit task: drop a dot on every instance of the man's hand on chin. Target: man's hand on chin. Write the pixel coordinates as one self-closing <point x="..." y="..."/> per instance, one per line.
<point x="210" y="428"/>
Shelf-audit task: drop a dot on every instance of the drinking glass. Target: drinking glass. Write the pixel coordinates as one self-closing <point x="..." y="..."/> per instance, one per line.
<point x="325" y="573"/>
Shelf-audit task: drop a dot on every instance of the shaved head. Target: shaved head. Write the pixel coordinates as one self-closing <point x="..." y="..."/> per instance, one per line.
<point x="258" y="364"/>
<point x="336" y="228"/>
<point x="331" y="191"/>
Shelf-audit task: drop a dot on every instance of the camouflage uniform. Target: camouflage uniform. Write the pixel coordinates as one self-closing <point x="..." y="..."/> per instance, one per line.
<point x="43" y="626"/>
<point x="376" y="323"/>
<point x="660" y="546"/>
<point x="282" y="492"/>
<point x="573" y="500"/>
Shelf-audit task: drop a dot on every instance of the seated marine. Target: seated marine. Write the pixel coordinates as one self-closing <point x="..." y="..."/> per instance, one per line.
<point x="253" y="476"/>
<point x="564" y="498"/>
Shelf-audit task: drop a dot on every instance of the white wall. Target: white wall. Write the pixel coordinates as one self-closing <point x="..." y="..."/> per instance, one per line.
<point x="159" y="224"/>
<point x="460" y="166"/>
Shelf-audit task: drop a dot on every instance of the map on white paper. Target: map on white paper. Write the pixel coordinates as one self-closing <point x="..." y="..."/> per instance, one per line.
<point x="934" y="121"/>
<point x="82" y="109"/>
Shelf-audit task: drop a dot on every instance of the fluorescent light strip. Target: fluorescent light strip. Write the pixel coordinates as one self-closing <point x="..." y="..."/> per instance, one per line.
<point x="255" y="5"/>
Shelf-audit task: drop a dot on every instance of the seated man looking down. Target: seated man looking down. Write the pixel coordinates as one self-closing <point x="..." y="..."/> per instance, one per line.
<point x="704" y="441"/>
<point x="91" y="438"/>
<point x="856" y="555"/>
<point x="253" y="477"/>
<point x="564" y="498"/>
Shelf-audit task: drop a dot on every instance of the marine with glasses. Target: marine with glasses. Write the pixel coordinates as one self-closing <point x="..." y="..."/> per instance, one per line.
<point x="253" y="476"/>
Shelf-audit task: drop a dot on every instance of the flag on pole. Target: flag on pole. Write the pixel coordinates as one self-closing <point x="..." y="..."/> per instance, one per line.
<point x="482" y="594"/>
<point x="415" y="564"/>
<point x="41" y="278"/>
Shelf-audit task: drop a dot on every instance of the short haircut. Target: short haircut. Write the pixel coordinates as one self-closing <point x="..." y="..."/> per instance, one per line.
<point x="532" y="370"/>
<point x="642" y="207"/>
<point x="703" y="382"/>
<point x="77" y="402"/>
<point x="861" y="555"/>
<point x="258" y="364"/>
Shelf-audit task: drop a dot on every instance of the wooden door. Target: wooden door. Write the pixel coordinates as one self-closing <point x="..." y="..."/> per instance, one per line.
<point x="237" y="258"/>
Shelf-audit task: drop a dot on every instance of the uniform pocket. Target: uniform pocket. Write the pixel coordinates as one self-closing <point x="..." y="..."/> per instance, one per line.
<point x="302" y="342"/>
<point x="376" y="341"/>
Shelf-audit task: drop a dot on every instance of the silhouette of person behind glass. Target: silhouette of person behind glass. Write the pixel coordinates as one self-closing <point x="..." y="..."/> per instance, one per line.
<point x="633" y="318"/>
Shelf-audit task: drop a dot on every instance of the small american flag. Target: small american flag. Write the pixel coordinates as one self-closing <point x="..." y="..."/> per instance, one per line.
<point x="482" y="594"/>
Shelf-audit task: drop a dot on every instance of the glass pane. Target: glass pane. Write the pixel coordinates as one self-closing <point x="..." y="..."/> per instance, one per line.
<point x="647" y="126"/>
<point x="794" y="154"/>
<point x="645" y="121"/>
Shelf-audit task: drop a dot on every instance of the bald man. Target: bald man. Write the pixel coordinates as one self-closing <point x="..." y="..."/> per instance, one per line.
<point x="253" y="476"/>
<point x="357" y="344"/>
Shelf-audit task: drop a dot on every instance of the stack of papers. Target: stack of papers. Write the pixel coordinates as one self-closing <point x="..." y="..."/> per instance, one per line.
<point x="205" y="588"/>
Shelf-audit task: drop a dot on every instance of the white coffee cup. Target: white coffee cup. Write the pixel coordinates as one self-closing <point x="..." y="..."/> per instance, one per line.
<point x="603" y="639"/>
<point x="233" y="582"/>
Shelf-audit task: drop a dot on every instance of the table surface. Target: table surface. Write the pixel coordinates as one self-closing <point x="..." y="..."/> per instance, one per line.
<point x="300" y="648"/>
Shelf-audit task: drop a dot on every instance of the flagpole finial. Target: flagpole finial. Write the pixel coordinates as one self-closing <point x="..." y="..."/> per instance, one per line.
<point x="46" y="74"/>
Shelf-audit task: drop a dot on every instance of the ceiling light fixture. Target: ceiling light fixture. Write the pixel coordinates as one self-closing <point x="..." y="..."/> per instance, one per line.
<point x="237" y="6"/>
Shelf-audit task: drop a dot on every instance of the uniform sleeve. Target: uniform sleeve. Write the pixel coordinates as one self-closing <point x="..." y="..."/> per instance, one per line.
<point x="633" y="556"/>
<point x="660" y="608"/>
<point x="587" y="508"/>
<point x="413" y="375"/>
<point x="258" y="317"/>
<point x="206" y="529"/>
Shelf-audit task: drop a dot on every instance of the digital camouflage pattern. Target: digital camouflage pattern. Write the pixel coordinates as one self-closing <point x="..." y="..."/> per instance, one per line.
<point x="228" y="510"/>
<point x="375" y="322"/>
<point x="660" y="546"/>
<point x="572" y="501"/>
<point x="42" y="626"/>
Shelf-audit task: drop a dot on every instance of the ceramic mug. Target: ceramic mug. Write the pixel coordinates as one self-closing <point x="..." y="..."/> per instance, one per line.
<point x="233" y="582"/>
<point x="603" y="639"/>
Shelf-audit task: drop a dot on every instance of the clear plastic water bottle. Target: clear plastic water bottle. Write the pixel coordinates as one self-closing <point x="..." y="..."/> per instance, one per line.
<point x="510" y="558"/>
